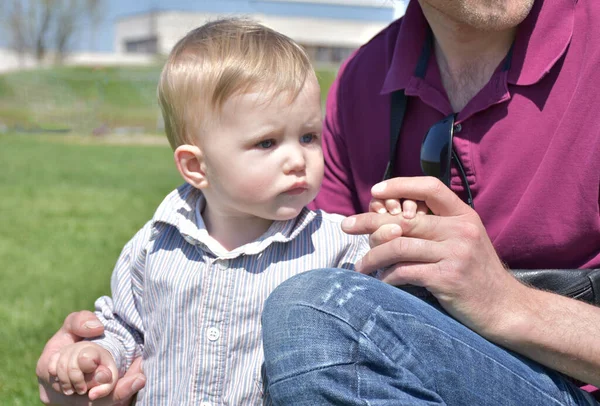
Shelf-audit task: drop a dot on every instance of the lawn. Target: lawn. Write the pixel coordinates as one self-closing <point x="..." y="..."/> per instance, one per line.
<point x="67" y="210"/>
<point x="83" y="98"/>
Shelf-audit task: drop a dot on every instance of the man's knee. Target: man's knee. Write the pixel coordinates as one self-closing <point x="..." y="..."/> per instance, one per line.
<point x="305" y="288"/>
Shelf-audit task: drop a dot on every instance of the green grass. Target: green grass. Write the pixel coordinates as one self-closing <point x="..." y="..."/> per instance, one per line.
<point x="67" y="210"/>
<point x="81" y="98"/>
<point x="84" y="98"/>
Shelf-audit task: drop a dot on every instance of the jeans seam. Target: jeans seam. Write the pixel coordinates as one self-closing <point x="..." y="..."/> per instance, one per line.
<point x="355" y="356"/>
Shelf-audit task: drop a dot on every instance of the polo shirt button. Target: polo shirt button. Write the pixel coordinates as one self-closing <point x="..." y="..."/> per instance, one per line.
<point x="213" y="333"/>
<point x="223" y="264"/>
<point x="458" y="128"/>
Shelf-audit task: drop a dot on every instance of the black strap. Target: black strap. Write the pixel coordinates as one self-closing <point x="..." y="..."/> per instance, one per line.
<point x="398" y="106"/>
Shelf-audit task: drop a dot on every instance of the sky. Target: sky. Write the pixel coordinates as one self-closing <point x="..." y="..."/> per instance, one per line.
<point x="103" y="40"/>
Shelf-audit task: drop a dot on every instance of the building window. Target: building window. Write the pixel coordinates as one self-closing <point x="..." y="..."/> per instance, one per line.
<point x="142" y="46"/>
<point x="339" y="54"/>
<point x="328" y="54"/>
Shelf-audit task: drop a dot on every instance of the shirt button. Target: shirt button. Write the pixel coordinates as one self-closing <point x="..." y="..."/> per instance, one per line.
<point x="213" y="333"/>
<point x="458" y="128"/>
<point x="223" y="264"/>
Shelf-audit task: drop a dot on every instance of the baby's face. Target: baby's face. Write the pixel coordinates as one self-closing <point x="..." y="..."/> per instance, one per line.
<point x="264" y="157"/>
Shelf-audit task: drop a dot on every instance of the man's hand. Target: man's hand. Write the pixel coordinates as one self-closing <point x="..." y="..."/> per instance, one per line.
<point x="77" y="326"/>
<point x="449" y="253"/>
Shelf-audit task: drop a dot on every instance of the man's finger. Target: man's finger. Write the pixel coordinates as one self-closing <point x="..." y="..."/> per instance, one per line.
<point x="135" y="368"/>
<point x="368" y="223"/>
<point x="439" y="198"/>
<point x="428" y="227"/>
<point x="385" y="233"/>
<point x="399" y="250"/>
<point x="83" y="324"/>
<point x="127" y="386"/>
<point x="408" y="273"/>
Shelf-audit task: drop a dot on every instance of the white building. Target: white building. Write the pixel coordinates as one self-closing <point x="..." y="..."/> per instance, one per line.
<point x="329" y="29"/>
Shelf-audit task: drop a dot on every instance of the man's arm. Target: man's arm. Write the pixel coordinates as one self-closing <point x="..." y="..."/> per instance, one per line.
<point x="337" y="193"/>
<point x="450" y="254"/>
<point x="556" y="331"/>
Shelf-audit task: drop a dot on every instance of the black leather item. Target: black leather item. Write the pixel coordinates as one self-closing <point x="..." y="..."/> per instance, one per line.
<point x="581" y="284"/>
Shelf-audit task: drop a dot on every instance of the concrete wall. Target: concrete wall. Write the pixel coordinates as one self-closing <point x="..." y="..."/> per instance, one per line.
<point x="10" y="61"/>
<point x="170" y="26"/>
<point x="325" y="32"/>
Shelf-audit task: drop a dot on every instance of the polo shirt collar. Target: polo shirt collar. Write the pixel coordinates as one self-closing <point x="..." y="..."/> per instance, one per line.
<point x="535" y="51"/>
<point x="182" y="209"/>
<point x="542" y="39"/>
<point x="412" y="35"/>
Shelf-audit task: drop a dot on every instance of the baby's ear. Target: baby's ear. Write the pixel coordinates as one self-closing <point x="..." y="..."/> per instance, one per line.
<point x="190" y="164"/>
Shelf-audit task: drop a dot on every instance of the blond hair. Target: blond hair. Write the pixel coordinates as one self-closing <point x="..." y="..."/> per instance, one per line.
<point x="218" y="60"/>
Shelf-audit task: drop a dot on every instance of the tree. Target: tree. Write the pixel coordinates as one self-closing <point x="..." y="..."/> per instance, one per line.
<point x="69" y="19"/>
<point x="37" y="26"/>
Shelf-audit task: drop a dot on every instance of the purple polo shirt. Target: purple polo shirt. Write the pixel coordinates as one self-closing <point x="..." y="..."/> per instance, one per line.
<point x="529" y="140"/>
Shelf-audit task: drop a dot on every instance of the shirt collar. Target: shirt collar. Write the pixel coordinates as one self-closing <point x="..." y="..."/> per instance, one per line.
<point x="407" y="51"/>
<point x="182" y="209"/>
<point x="542" y="39"/>
<point x="535" y="50"/>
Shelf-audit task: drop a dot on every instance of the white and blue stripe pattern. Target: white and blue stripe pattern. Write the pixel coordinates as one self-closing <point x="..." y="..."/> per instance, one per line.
<point x="193" y="312"/>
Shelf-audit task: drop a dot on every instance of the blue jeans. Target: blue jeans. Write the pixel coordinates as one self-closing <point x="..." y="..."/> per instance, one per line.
<point x="336" y="337"/>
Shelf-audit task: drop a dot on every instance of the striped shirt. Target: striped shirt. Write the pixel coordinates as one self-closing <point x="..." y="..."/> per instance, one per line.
<point x="193" y="311"/>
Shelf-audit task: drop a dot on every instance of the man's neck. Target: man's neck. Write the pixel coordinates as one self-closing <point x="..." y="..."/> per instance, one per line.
<point x="467" y="57"/>
<point x="232" y="231"/>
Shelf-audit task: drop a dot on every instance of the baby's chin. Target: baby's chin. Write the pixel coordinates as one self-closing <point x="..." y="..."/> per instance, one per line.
<point x="286" y="213"/>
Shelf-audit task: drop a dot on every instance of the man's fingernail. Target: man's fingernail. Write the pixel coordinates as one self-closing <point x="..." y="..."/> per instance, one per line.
<point x="349" y="222"/>
<point x="395" y="211"/>
<point x="380" y="187"/>
<point x="92" y="324"/>
<point x="138" y="384"/>
<point x="102" y="377"/>
<point x="382" y="211"/>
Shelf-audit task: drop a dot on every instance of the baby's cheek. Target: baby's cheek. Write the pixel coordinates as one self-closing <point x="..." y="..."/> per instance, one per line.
<point x="254" y="185"/>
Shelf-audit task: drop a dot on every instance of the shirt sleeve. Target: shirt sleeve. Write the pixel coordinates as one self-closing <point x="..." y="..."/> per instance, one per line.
<point x="337" y="193"/>
<point x="123" y="328"/>
<point x="355" y="251"/>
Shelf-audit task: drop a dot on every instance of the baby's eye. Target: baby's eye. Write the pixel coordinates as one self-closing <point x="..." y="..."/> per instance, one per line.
<point x="308" y="138"/>
<point x="266" y="144"/>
